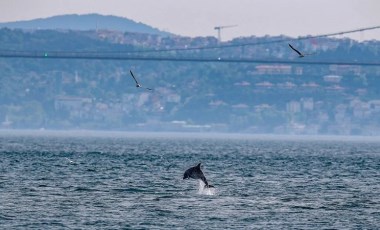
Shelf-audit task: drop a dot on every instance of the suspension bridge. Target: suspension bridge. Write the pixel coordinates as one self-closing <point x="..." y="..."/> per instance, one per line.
<point x="142" y="54"/>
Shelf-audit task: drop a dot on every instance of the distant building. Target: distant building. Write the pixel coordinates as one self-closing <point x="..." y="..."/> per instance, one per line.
<point x="307" y="104"/>
<point x="240" y="106"/>
<point x="375" y="105"/>
<point x="273" y="69"/>
<point x="298" y="70"/>
<point x="332" y="78"/>
<point x="345" y="69"/>
<point x="264" y="84"/>
<point x="71" y="103"/>
<point x="243" y="83"/>
<point x="262" y="107"/>
<point x="360" y="109"/>
<point x="6" y="123"/>
<point x="310" y="85"/>
<point x="335" y="88"/>
<point x="287" y="85"/>
<point x="293" y="107"/>
<point x="173" y="97"/>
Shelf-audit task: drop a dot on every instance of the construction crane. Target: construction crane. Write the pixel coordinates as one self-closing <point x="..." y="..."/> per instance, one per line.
<point x="219" y="28"/>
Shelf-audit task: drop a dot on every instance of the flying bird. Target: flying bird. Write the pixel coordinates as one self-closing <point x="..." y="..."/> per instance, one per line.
<point x="298" y="52"/>
<point x="137" y="83"/>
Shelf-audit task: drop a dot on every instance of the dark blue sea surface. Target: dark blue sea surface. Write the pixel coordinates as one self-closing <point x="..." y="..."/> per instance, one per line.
<point x="85" y="180"/>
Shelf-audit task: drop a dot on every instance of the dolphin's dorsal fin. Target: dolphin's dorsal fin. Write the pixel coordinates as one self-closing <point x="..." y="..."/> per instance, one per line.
<point x="198" y="166"/>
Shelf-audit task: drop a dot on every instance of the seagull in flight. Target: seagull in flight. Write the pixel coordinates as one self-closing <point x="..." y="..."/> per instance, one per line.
<point x="300" y="55"/>
<point x="137" y="83"/>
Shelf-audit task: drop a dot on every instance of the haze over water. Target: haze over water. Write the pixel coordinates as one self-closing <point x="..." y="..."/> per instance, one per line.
<point x="97" y="180"/>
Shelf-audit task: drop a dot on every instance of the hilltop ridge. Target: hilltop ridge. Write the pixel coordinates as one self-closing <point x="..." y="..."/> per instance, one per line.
<point x="85" y="22"/>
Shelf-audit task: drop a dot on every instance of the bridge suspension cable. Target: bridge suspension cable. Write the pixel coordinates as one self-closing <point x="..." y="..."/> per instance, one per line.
<point x="108" y="56"/>
<point x="256" y="43"/>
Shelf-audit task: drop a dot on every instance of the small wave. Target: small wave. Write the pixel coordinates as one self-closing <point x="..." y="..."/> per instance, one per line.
<point x="127" y="190"/>
<point x="85" y="189"/>
<point x="302" y="207"/>
<point x="6" y="217"/>
<point x="42" y="186"/>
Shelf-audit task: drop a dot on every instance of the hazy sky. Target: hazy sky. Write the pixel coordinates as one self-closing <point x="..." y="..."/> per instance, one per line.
<point x="199" y="17"/>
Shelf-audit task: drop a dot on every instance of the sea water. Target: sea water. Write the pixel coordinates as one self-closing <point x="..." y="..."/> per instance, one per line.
<point x="55" y="180"/>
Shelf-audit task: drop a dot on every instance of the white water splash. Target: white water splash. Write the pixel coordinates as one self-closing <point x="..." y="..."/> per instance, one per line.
<point x="70" y="161"/>
<point x="205" y="191"/>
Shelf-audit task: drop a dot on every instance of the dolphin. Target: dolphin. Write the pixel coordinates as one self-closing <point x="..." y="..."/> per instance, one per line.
<point x="196" y="173"/>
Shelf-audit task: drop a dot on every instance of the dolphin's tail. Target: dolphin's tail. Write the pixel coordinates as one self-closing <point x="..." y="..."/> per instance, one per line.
<point x="209" y="186"/>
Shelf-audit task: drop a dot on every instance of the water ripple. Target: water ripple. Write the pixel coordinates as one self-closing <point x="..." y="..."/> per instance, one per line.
<point x="64" y="182"/>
